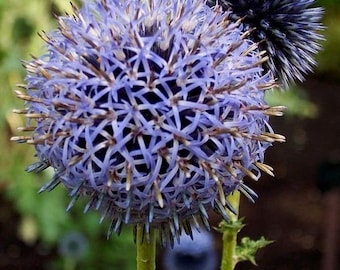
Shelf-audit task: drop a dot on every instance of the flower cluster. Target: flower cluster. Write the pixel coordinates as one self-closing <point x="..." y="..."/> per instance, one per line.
<point x="288" y="30"/>
<point x="153" y="110"/>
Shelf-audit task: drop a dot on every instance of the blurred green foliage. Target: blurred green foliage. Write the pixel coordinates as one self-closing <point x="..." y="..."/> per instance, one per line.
<point x="296" y="101"/>
<point x="329" y="58"/>
<point x="43" y="217"/>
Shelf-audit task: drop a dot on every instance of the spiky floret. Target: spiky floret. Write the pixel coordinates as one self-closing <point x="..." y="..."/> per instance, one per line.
<point x="153" y="110"/>
<point x="288" y="30"/>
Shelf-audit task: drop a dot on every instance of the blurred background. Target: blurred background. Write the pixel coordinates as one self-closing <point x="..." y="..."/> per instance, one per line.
<point x="298" y="209"/>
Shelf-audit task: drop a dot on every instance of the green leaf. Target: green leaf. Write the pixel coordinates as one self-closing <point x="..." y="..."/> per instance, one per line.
<point x="231" y="225"/>
<point x="248" y="248"/>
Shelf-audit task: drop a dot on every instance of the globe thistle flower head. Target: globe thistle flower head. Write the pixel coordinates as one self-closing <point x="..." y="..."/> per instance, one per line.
<point x="197" y="253"/>
<point x="152" y="110"/>
<point x="73" y="245"/>
<point x="286" y="29"/>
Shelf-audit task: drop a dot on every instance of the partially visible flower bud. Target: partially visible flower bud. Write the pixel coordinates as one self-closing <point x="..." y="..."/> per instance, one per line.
<point x="73" y="245"/>
<point x="152" y="110"/>
<point x="199" y="253"/>
<point x="286" y="29"/>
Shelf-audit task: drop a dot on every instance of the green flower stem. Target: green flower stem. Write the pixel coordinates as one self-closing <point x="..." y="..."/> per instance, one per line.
<point x="146" y="250"/>
<point x="230" y="230"/>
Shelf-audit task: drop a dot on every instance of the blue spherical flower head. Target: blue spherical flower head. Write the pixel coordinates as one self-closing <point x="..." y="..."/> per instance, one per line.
<point x="286" y="29"/>
<point x="153" y="110"/>
<point x="196" y="253"/>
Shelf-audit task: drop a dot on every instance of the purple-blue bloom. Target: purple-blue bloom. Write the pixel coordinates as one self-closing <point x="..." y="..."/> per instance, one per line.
<point x="197" y="253"/>
<point x="73" y="245"/>
<point x="152" y="110"/>
<point x="288" y="30"/>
